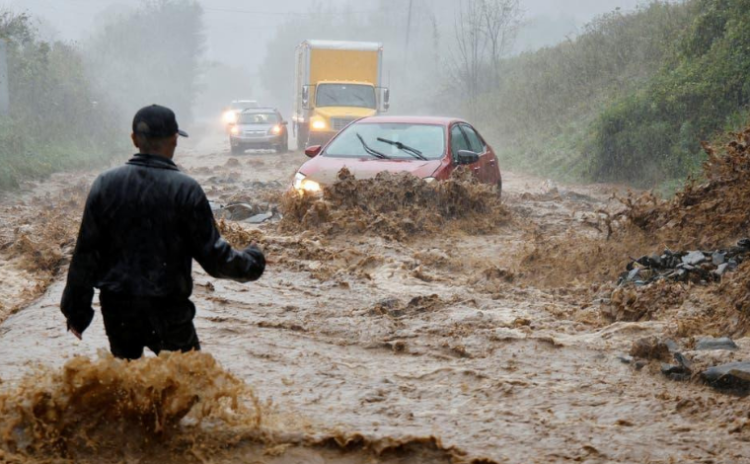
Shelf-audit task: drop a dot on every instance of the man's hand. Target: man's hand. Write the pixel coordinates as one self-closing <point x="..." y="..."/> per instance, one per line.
<point x="254" y="246"/>
<point x="76" y="333"/>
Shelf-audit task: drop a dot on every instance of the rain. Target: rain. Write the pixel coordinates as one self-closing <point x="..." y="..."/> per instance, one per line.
<point x="423" y="231"/>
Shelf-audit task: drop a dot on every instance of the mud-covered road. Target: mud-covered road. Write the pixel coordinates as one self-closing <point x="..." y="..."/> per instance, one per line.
<point x="444" y="335"/>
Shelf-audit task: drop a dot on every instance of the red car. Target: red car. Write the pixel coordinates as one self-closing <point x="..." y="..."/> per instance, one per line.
<point x="427" y="147"/>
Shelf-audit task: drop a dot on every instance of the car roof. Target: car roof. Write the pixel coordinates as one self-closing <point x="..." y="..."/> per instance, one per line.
<point x="436" y="120"/>
<point x="261" y="110"/>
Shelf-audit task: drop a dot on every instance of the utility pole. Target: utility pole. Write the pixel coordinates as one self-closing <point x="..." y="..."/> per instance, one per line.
<point x="4" y="91"/>
<point x="408" y="31"/>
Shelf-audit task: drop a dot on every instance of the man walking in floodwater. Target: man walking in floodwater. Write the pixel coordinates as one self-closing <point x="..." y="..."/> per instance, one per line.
<point x="143" y="225"/>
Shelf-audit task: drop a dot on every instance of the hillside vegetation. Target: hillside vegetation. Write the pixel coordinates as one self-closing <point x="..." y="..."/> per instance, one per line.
<point x="56" y="119"/>
<point x="70" y="105"/>
<point x="630" y="99"/>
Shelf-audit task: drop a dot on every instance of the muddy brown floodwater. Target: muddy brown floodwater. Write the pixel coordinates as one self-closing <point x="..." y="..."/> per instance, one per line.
<point x="449" y="345"/>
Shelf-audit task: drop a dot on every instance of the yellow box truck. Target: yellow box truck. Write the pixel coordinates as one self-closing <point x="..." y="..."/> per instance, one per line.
<point x="336" y="83"/>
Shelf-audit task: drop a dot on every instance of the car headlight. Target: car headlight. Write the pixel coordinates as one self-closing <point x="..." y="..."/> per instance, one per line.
<point x="430" y="180"/>
<point x="276" y="130"/>
<point x="230" y="117"/>
<point x="303" y="184"/>
<point x="318" y="125"/>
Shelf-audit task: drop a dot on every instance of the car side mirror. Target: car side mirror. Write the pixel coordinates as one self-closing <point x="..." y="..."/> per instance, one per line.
<point x="466" y="157"/>
<point x="313" y="151"/>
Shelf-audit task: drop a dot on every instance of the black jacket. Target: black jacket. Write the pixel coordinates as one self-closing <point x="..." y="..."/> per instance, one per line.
<point x="142" y="226"/>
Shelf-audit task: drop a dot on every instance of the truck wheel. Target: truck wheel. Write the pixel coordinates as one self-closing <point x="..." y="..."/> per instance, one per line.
<point x="302" y="137"/>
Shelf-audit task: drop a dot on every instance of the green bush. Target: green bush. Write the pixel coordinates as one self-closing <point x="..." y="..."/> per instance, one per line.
<point x="70" y="108"/>
<point x="629" y="99"/>
<point x="653" y="134"/>
<point x="56" y="121"/>
<point x="541" y="113"/>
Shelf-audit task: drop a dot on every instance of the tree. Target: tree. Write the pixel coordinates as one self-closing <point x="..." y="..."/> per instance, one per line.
<point x="470" y="47"/>
<point x="500" y="23"/>
<point x="56" y="120"/>
<point x="151" y="54"/>
<point x="485" y="31"/>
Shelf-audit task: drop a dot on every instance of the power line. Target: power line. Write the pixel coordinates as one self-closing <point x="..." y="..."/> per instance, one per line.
<point x="46" y="4"/>
<point x="408" y="28"/>
<point x="278" y="13"/>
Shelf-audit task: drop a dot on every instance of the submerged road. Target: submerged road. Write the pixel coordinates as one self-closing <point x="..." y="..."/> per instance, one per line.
<point x="421" y="338"/>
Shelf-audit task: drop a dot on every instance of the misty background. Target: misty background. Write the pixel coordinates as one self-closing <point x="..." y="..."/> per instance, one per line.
<point x="247" y="46"/>
<point x="575" y="90"/>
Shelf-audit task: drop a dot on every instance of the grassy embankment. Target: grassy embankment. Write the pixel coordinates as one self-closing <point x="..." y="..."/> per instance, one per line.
<point x="630" y="99"/>
<point x="56" y="121"/>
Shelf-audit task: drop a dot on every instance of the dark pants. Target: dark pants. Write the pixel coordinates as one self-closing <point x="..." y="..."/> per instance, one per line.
<point x="134" y="323"/>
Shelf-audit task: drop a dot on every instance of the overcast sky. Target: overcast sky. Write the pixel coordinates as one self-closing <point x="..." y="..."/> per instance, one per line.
<point x="238" y="29"/>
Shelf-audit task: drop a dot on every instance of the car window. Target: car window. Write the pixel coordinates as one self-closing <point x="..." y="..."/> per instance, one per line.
<point x="475" y="143"/>
<point x="386" y="138"/>
<point x="458" y="140"/>
<point x="259" y="118"/>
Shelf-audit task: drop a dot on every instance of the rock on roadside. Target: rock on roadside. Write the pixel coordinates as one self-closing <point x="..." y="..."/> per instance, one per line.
<point x="708" y="344"/>
<point x="732" y="376"/>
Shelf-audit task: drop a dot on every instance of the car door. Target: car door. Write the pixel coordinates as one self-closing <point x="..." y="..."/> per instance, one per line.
<point x="460" y="142"/>
<point x="488" y="162"/>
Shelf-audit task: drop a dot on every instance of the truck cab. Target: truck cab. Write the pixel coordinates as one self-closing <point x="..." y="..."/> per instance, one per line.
<point x="336" y="83"/>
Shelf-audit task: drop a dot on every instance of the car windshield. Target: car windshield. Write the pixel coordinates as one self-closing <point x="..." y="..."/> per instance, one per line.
<point x="258" y="118"/>
<point x="395" y="140"/>
<point x="359" y="96"/>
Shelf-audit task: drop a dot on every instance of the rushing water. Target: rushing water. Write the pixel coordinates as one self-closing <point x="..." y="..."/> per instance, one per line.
<point x="354" y="348"/>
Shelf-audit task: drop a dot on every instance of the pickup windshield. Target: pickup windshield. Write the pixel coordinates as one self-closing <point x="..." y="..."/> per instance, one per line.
<point x="259" y="118"/>
<point x="401" y="141"/>
<point x="359" y="96"/>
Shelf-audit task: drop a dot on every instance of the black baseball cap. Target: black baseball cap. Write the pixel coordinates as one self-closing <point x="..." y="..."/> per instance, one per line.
<point x="156" y="121"/>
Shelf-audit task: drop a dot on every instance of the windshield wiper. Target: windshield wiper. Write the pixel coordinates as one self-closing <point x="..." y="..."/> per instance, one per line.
<point x="370" y="151"/>
<point x="405" y="148"/>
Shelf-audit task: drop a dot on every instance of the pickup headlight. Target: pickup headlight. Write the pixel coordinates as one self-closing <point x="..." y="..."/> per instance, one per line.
<point x="230" y="117"/>
<point x="303" y="184"/>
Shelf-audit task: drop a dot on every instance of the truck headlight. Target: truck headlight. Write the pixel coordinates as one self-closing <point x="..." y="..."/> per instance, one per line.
<point x="303" y="184"/>
<point x="234" y="130"/>
<point x="319" y="125"/>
